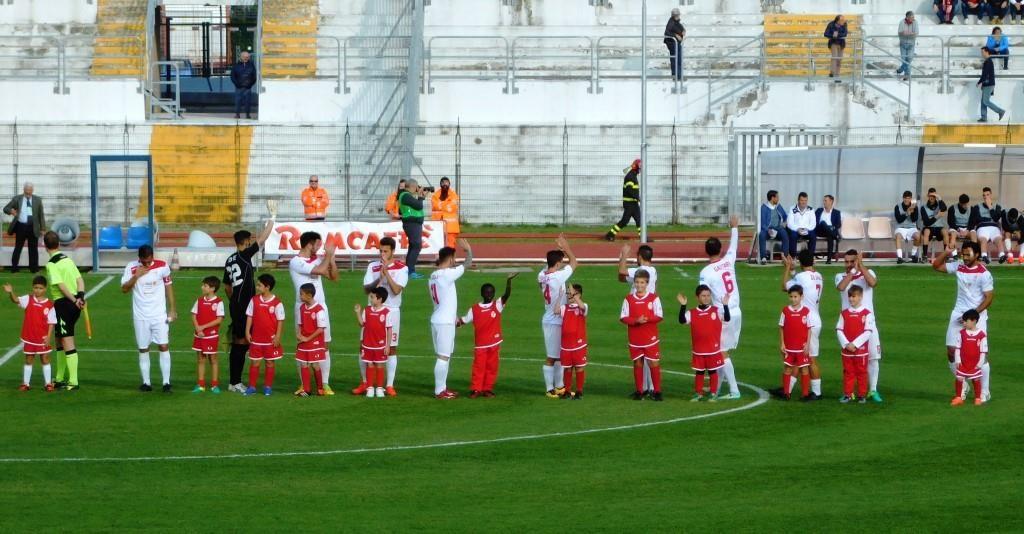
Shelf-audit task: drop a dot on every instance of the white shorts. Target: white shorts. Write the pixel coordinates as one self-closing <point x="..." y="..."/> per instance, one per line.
<point x="731" y="330"/>
<point x="150" y="331"/>
<point x="875" y="345"/>
<point x="552" y="340"/>
<point x="397" y="327"/>
<point x="813" y="343"/>
<point x="989" y="233"/>
<point x="444" y="339"/>
<point x="327" y="330"/>
<point x="955" y="326"/>
<point x="906" y="233"/>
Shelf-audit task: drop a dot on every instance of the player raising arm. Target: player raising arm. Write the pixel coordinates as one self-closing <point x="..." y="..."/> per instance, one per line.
<point x="561" y="263"/>
<point x="705" y="322"/>
<point x="811" y="284"/>
<point x="644" y="262"/>
<point x="445" y="316"/>
<point x="393" y="276"/>
<point x="720" y="276"/>
<point x="309" y="268"/>
<point x="858" y="275"/>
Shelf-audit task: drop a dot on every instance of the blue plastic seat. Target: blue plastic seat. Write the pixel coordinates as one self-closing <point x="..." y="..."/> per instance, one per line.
<point x="110" y="238"/>
<point x="138" y="236"/>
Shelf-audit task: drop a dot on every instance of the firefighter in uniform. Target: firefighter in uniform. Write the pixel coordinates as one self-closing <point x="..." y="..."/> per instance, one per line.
<point x="630" y="201"/>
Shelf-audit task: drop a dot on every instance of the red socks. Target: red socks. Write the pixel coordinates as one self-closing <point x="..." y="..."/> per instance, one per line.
<point x="268" y="378"/>
<point x="959" y="386"/>
<point x="319" y="379"/>
<point x="805" y="384"/>
<point x="254" y="375"/>
<point x="567" y="378"/>
<point x="698" y="383"/>
<point x="202" y="383"/>
<point x="655" y="377"/>
<point x="371" y="375"/>
<point x="977" y="388"/>
<point x="714" y="382"/>
<point x="580" y="375"/>
<point x="305" y="378"/>
<point x="785" y="384"/>
<point x="638" y="376"/>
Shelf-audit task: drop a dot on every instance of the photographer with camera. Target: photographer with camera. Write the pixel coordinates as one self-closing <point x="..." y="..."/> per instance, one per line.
<point x="410" y="209"/>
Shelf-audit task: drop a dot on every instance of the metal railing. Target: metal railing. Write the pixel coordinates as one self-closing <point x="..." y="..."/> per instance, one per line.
<point x="57" y="58"/>
<point x="155" y="92"/>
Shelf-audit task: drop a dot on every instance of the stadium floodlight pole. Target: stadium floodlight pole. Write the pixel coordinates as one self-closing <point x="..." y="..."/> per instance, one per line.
<point x="643" y="123"/>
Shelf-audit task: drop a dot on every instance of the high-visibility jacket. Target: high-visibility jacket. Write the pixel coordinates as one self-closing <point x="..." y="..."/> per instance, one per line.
<point x="446" y="210"/>
<point x="391" y="205"/>
<point x="315" y="202"/>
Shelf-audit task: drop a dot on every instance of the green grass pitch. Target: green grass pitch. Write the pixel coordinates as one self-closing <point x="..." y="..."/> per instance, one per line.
<point x="912" y="463"/>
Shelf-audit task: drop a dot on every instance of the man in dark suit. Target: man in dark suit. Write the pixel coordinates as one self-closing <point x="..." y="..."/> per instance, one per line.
<point x="29" y="221"/>
<point x="830" y="221"/>
<point x="243" y="76"/>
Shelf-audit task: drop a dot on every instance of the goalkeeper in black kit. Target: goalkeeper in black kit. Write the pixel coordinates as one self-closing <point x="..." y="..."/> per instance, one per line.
<point x="630" y="201"/>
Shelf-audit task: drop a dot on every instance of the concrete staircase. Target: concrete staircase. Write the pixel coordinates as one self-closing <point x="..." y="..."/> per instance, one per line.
<point x="120" y="41"/>
<point x="289" y="39"/>
<point x="790" y="39"/>
<point x="199" y="172"/>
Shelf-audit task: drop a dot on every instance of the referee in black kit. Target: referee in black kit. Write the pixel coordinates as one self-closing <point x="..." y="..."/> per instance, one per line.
<point x="630" y="201"/>
<point x="240" y="286"/>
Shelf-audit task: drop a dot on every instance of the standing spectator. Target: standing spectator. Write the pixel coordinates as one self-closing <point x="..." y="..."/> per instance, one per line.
<point x="802" y="224"/>
<point x="1000" y="45"/>
<point x="674" y="35"/>
<point x="391" y="204"/>
<point x="29" y="221"/>
<point x="836" y="33"/>
<point x="315" y="200"/>
<point x="976" y="8"/>
<point x="773" y="225"/>
<point x="987" y="83"/>
<point x="1017" y="10"/>
<point x="243" y="76"/>
<point x="933" y="221"/>
<point x="410" y="208"/>
<point x="830" y="222"/>
<point x="908" y="37"/>
<point x="945" y="10"/>
<point x="630" y="201"/>
<point x="905" y="214"/>
<point x="998" y="10"/>
<point x="444" y="206"/>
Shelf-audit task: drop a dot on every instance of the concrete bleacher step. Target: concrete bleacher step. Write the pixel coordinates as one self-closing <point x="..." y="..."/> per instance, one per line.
<point x="973" y="133"/>
<point x="289" y="45"/>
<point x="119" y="43"/>
<point x="790" y="38"/>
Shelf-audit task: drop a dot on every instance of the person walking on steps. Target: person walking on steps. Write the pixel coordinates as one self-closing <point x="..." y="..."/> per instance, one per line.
<point x="630" y="201"/>
<point x="987" y="83"/>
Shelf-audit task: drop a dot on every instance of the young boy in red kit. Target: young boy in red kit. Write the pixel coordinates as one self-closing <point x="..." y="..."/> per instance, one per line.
<point x="854" y="329"/>
<point x="971" y="353"/>
<point x="207" y="314"/>
<point x="574" y="341"/>
<point x="641" y="313"/>
<point x="377" y="323"/>
<point x="263" y="323"/>
<point x="795" y="324"/>
<point x="312" y="348"/>
<point x="486" y="319"/>
<point x="705" y="337"/>
<point x="36" y="330"/>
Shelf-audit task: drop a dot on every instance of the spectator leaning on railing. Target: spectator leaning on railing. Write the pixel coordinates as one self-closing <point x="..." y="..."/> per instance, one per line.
<point x="908" y="37"/>
<point x="987" y="83"/>
<point x="830" y="224"/>
<point x="1000" y="45"/>
<point x="836" y="33"/>
<point x="773" y="225"/>
<point x="945" y="10"/>
<point x="674" y="35"/>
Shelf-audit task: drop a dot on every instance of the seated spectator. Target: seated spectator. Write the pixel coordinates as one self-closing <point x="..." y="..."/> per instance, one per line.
<point x="959" y="222"/>
<point x="976" y="8"/>
<point x="933" y="221"/>
<point x="1000" y="45"/>
<point x="1013" y="223"/>
<point x="905" y="214"/>
<point x="1017" y="10"/>
<point x="984" y="224"/>
<point x="802" y="224"/>
<point x="998" y="10"/>
<point x="773" y="226"/>
<point x="829" y="223"/>
<point x="945" y="10"/>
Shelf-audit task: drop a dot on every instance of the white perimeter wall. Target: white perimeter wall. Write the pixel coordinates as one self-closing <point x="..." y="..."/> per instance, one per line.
<point x="47" y="11"/>
<point x="86" y="101"/>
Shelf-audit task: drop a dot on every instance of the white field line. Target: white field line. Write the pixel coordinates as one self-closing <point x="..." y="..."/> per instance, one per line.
<point x="762" y="397"/>
<point x="17" y="348"/>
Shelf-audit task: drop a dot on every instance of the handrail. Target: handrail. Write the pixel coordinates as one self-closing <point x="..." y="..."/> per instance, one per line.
<point x="429" y="72"/>
<point x="589" y="53"/>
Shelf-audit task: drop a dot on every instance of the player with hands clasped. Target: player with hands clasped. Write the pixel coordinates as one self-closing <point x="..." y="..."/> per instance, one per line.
<point x="574" y="341"/>
<point x="641" y="312"/>
<point x="391" y="275"/>
<point x="705" y="322"/>
<point x="854" y="333"/>
<point x="377" y="323"/>
<point x="561" y="264"/>
<point x="207" y="315"/>
<point x="309" y="268"/>
<point x="644" y="262"/>
<point x="263" y="325"/>
<point x="811" y="284"/>
<point x="36" y="330"/>
<point x="486" y="319"/>
<point x="149" y="281"/>
<point x="798" y="325"/>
